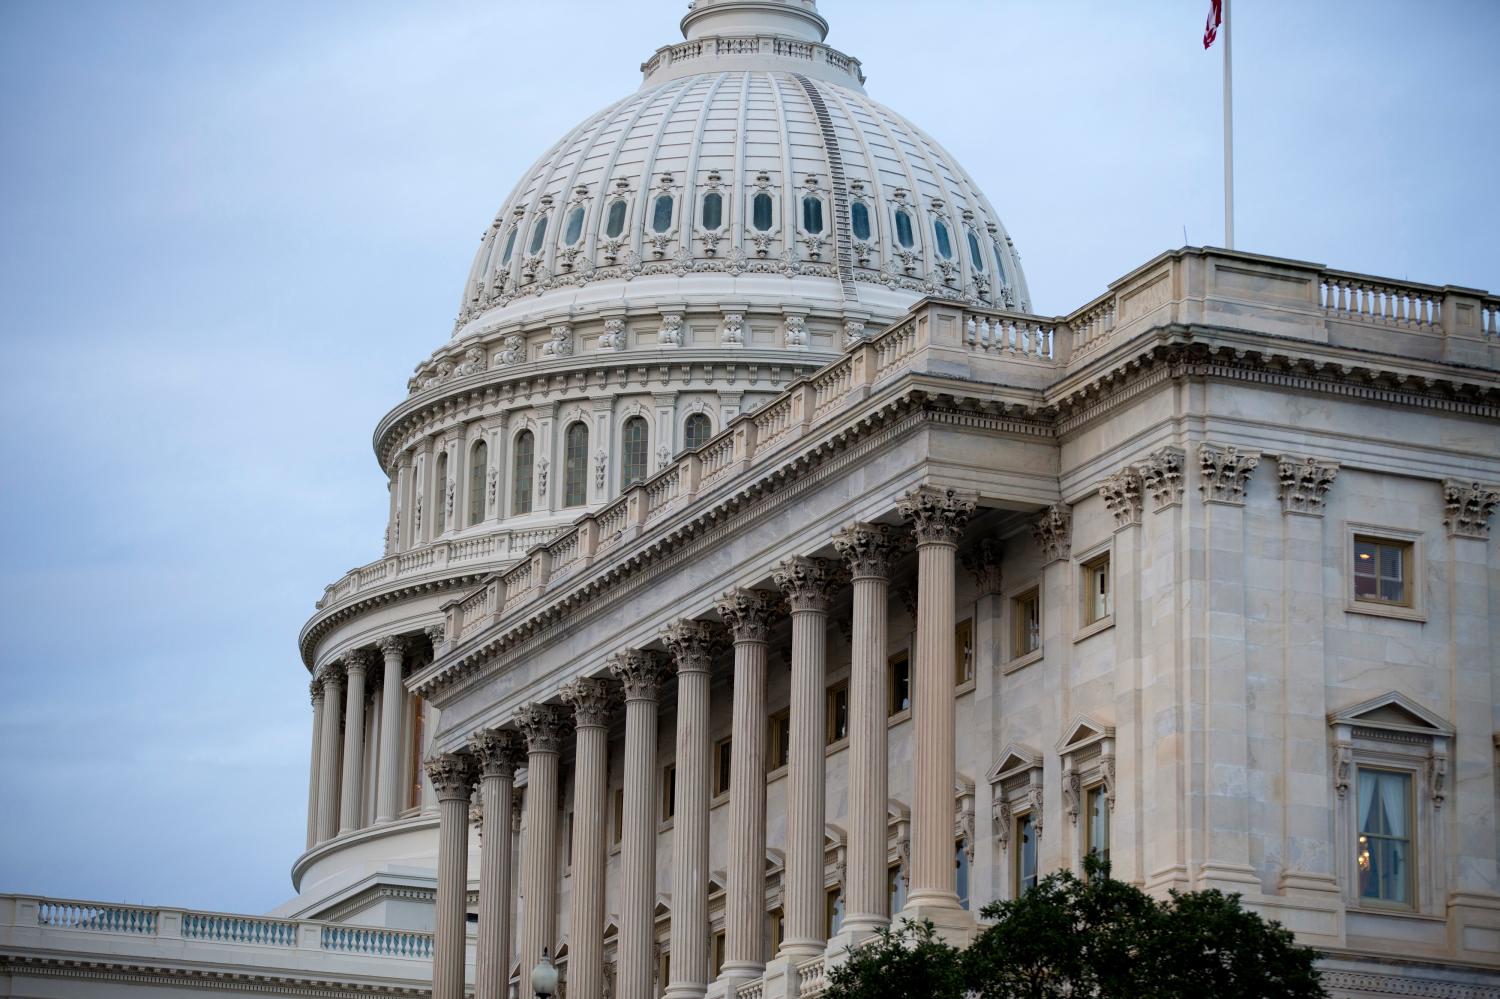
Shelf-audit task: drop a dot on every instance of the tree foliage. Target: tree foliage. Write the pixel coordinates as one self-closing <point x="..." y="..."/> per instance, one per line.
<point x="900" y="963"/>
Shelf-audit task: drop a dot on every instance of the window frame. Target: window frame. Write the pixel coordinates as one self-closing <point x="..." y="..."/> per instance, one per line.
<point x="537" y="244"/>
<point x="703" y="211"/>
<point x="626" y="481"/>
<point x="1414" y="569"/>
<point x="440" y="469"/>
<point x="811" y="203"/>
<point x="687" y="420"/>
<point x="860" y="203"/>
<point x="755" y="196"/>
<point x="1019" y="877"/>
<point x="579" y="214"/>
<point x="479" y="471"/>
<point x="911" y="242"/>
<point x="834" y="910"/>
<point x="778" y="740"/>
<point x="1413" y="780"/>
<point x="668" y="810"/>
<point x="723" y="763"/>
<point x="517" y="507"/>
<point x="1027" y="594"/>
<point x="893" y="712"/>
<point x="1096" y="791"/>
<point x="575" y="467"/>
<point x="609" y="213"/>
<point x="942" y="232"/>
<point x="654" y="224"/>
<point x="1085" y="565"/>
<point x="965" y="665"/>
<point x="831" y="706"/>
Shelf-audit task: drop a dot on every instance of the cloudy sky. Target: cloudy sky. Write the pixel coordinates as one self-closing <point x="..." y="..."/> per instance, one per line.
<point x="230" y="229"/>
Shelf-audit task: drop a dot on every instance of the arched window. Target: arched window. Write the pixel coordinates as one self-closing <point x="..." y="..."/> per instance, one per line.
<point x="760" y="212"/>
<point x="812" y="214"/>
<point x="538" y="233"/>
<point x="573" y="231"/>
<point x="615" y="223"/>
<point x="976" y="256"/>
<point x="635" y="451"/>
<point x="903" y="228"/>
<point x="510" y="246"/>
<point x="661" y="213"/>
<point x="943" y="239"/>
<point x="999" y="261"/>
<point x="440" y="489"/>
<point x="713" y="210"/>
<point x="696" y="430"/>
<point x="859" y="216"/>
<point x="576" y="465"/>
<point x="479" y="470"/>
<point x="522" y="457"/>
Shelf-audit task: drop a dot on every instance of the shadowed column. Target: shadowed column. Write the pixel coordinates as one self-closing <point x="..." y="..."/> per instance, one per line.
<point x="315" y="688"/>
<point x="351" y="799"/>
<point x="592" y="700"/>
<point x="498" y="753"/>
<point x="328" y="766"/>
<point x="544" y="726"/>
<point x="392" y="698"/>
<point x="452" y="776"/>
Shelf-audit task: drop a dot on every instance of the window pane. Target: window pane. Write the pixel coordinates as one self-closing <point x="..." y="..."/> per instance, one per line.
<point x="999" y="261"/>
<point x="944" y="241"/>
<point x="838" y="712"/>
<point x="1025" y="854"/>
<point x="900" y="685"/>
<point x="510" y="246"/>
<point x="616" y="221"/>
<point x="760" y="216"/>
<point x="538" y="233"/>
<point x="635" y="452"/>
<point x="661" y="214"/>
<point x="859" y="216"/>
<point x="976" y="257"/>
<point x="479" y="466"/>
<point x="1098" y="820"/>
<point x="696" y="431"/>
<point x="903" y="229"/>
<point x="812" y="214"/>
<point x="521" y="462"/>
<point x="576" y="465"/>
<point x="1384" y="851"/>
<point x="713" y="210"/>
<point x="441" y="484"/>
<point x="961" y="876"/>
<point x="574" y="229"/>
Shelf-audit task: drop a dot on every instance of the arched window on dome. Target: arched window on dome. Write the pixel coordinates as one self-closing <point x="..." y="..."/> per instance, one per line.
<point x="573" y="230"/>
<point x="713" y="210"/>
<point x="479" y="470"/>
<point x="999" y="261"/>
<point x="661" y="213"/>
<point x="523" y="454"/>
<point x="440" y="496"/>
<point x="976" y="255"/>
<point x="859" y="219"/>
<point x="812" y="214"/>
<point x="510" y="246"/>
<point x="635" y="451"/>
<point x="538" y="233"/>
<point x="576" y="464"/>
<point x="943" y="239"/>
<point x="762" y="212"/>
<point x="614" y="224"/>
<point x="696" y="430"/>
<point x="904" y="234"/>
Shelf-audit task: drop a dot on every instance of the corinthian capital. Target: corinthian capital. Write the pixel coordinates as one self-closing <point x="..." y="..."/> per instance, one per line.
<point x="1225" y="473"/>
<point x="640" y="672"/>
<point x="591" y="698"/>
<point x="693" y="644"/>
<point x="315" y="688"/>
<point x="983" y="562"/>
<point x="938" y="516"/>
<point x="1053" y="531"/>
<point x="748" y="613"/>
<point x="867" y="549"/>
<point x="392" y="647"/>
<point x="451" y="774"/>
<point x="1122" y="495"/>
<point x="1303" y="484"/>
<point x="1468" y="506"/>
<point x="497" y="751"/>
<point x="808" y="583"/>
<point x="331" y="674"/>
<point x="544" y="725"/>
<point x="1161" y="476"/>
<point x="357" y="660"/>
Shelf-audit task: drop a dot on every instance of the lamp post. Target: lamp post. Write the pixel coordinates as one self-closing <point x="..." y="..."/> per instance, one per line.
<point x="544" y="977"/>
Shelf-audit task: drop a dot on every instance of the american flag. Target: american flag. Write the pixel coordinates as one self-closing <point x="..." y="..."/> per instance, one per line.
<point x="1215" y="18"/>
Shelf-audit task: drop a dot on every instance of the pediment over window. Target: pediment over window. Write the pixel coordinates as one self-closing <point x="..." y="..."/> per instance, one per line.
<point x="662" y="910"/>
<point x="1015" y="758"/>
<point x="1393" y="712"/>
<point x="1083" y="731"/>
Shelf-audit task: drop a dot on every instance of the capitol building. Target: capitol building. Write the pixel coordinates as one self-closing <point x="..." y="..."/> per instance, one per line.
<point x="761" y="568"/>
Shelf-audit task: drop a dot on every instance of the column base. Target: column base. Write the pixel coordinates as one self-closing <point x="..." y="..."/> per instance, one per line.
<point x="954" y="924"/>
<point x="781" y="977"/>
<point x="733" y="978"/>
<point x="678" y="990"/>
<point x="847" y="939"/>
<point x="1230" y="879"/>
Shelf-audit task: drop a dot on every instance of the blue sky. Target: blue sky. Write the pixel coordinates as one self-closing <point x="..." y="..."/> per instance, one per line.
<point x="230" y="229"/>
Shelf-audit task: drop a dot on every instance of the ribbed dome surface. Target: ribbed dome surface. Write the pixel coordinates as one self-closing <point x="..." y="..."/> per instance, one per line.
<point x="741" y="169"/>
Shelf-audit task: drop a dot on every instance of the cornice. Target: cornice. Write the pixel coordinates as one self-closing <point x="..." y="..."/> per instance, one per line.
<point x="321" y="624"/>
<point x="94" y="968"/>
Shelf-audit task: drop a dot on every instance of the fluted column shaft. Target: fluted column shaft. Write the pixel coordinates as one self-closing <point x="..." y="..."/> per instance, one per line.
<point x="544" y="727"/>
<point x="392" y="701"/>
<point x="350" y="797"/>
<point x="498" y="753"/>
<point x="328" y="765"/>
<point x="938" y="517"/>
<point x="591" y="700"/>
<point x="452" y="777"/>
<point x="692" y="645"/>
<point x="867" y="549"/>
<point x="641" y="675"/>
<point x="314" y="766"/>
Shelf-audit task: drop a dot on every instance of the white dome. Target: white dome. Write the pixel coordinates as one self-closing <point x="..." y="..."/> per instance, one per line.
<point x="749" y="166"/>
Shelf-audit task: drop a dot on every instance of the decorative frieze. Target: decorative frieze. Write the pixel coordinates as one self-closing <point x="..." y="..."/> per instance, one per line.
<point x="748" y="613"/>
<point x="1304" y="483"/>
<point x="640" y="671"/>
<point x="693" y="645"/>
<point x="1123" y="496"/>
<point x="937" y="515"/>
<point x="544" y="726"/>
<point x="451" y="774"/>
<point x="983" y="562"/>
<point x="1468" y="507"/>
<point x="808" y="583"/>
<point x="497" y="752"/>
<point x="1161" y="477"/>
<point x="592" y="700"/>
<point x="1053" y="531"/>
<point x="1224" y="473"/>
<point x="867" y="549"/>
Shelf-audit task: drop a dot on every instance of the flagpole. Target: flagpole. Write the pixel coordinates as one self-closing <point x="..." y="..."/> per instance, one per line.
<point x="1228" y="136"/>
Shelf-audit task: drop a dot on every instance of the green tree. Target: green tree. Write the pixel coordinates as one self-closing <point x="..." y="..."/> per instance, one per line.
<point x="901" y="963"/>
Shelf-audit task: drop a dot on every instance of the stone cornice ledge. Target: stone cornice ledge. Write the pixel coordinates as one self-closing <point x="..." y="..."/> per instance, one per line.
<point x="379" y="830"/>
<point x="181" y="973"/>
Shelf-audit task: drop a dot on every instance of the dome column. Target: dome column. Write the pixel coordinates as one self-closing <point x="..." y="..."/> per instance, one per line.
<point x="315" y="688"/>
<point x="452" y="776"/>
<point x="392" y="705"/>
<point x="592" y="701"/>
<point x="544" y="726"/>
<point x="498" y="752"/>
<point x="641" y="674"/>
<point x="351" y="799"/>
<point x="328" y="763"/>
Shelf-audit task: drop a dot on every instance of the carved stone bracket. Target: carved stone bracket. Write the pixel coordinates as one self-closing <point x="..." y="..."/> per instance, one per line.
<point x="451" y="774"/>
<point x="1161" y="476"/>
<point x="1304" y="483"/>
<point x="544" y="726"/>
<point x="592" y="700"/>
<point x="640" y="671"/>
<point x="748" y="613"/>
<point x="1225" y="473"/>
<point x="1053" y="531"/>
<point x="937" y="515"/>
<point x="1343" y="767"/>
<point x="983" y="562"/>
<point x="1468" y="507"/>
<point x="808" y="583"/>
<point x="867" y="550"/>
<point x="1123" y="495"/>
<point x="497" y="751"/>
<point x="693" y="644"/>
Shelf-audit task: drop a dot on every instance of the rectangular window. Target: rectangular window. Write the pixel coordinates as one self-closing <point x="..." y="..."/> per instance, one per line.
<point x="895" y="890"/>
<point x="664" y="971"/>
<point x="668" y="791"/>
<point x="777" y="919"/>
<point x="900" y="683"/>
<point x="414" y="792"/>
<point x="838" y="712"/>
<point x="1381" y="571"/>
<point x="722" y="768"/>
<point x="963" y="652"/>
<point x="961" y="873"/>
<point x="1025" y="855"/>
<point x="1096" y="823"/>
<point x="1385" y="855"/>
<point x="568" y="842"/>
<point x="833" y="911"/>
<point x="1026" y="623"/>
<point x="1096" y="595"/>
<point x="618" y="833"/>
<point x="716" y="955"/>
<point x="779" y="739"/>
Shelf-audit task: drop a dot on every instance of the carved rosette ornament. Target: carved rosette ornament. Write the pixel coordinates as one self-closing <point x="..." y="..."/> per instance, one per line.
<point x="1161" y="476"/>
<point x="1303" y="484"/>
<point x="1468" y="507"/>
<point x="640" y="671"/>
<point x="545" y="726"/>
<point x="1123" y="496"/>
<point x="1225" y="473"/>
<point x="592" y="700"/>
<point x="748" y="613"/>
<point x="938" y="516"/>
<point x="692" y="644"/>
<point x="808" y="583"/>
<point x="1053" y="532"/>
<point x="451" y="774"/>
<point x="498" y="752"/>
<point x="983" y="563"/>
<point x="867" y="550"/>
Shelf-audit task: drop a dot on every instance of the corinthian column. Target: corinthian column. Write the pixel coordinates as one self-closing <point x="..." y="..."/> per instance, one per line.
<point x="641" y="674"/>
<point x="351" y="798"/>
<point x="693" y="645"/>
<point x="315" y="688"/>
<point x="498" y="752"/>
<point x="937" y="517"/>
<point x="808" y="584"/>
<point x="328" y="765"/>
<point x="452" y="776"/>
<point x="592" y="700"/>
<point x="544" y="726"/>
<point x="392" y="700"/>
<point x="748" y="615"/>
<point x="867" y="549"/>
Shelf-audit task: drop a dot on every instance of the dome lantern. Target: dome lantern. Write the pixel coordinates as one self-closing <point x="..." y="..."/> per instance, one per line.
<point x="798" y="19"/>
